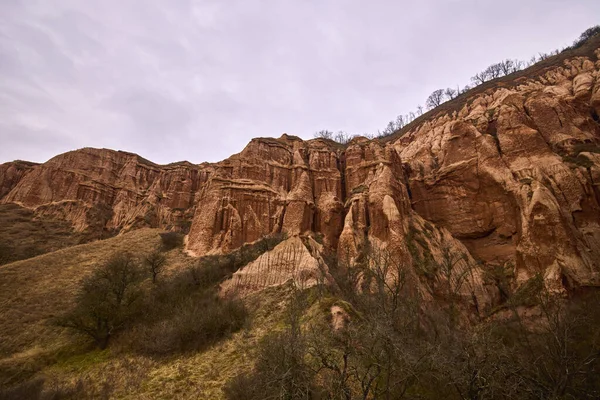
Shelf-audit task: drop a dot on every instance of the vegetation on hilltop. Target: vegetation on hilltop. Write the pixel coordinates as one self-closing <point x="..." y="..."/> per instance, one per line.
<point x="448" y="99"/>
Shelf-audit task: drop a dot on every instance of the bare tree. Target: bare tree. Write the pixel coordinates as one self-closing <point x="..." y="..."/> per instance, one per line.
<point x="586" y="35"/>
<point x="543" y="56"/>
<point x="155" y="263"/>
<point x="435" y="99"/>
<point x="324" y="134"/>
<point x="494" y="71"/>
<point x="509" y="66"/>
<point x="400" y="122"/>
<point x="419" y="110"/>
<point x="106" y="301"/>
<point x="450" y="93"/>
<point x="343" y="137"/>
<point x="531" y="61"/>
<point x="480" y="77"/>
<point x="389" y="129"/>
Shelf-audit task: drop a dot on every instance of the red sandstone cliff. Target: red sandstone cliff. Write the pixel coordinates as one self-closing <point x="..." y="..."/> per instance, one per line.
<point x="509" y="179"/>
<point x="108" y="189"/>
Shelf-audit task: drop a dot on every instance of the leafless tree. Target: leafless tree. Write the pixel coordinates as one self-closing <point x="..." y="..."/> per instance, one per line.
<point x="400" y="122"/>
<point x="324" y="134"/>
<point x="543" y="56"/>
<point x="531" y="61"/>
<point x="509" y="66"/>
<point x="480" y="77"/>
<point x="106" y="301"/>
<point x="586" y="35"/>
<point x="494" y="71"/>
<point x="343" y="137"/>
<point x="435" y="99"/>
<point x="155" y="263"/>
<point x="450" y="93"/>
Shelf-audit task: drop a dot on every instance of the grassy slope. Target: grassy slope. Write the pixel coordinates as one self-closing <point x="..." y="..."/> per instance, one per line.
<point x="34" y="290"/>
<point x="23" y="236"/>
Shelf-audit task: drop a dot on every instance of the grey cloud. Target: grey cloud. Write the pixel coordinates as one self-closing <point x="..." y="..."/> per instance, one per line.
<point x="151" y="112"/>
<point x="196" y="79"/>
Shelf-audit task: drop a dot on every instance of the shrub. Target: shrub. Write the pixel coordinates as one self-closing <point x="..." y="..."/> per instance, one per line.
<point x="171" y="240"/>
<point x="580" y="160"/>
<point x="39" y="389"/>
<point x="586" y="148"/>
<point x="192" y="325"/>
<point x="5" y="254"/>
<point x="208" y="272"/>
<point x="280" y="372"/>
<point x="27" y="390"/>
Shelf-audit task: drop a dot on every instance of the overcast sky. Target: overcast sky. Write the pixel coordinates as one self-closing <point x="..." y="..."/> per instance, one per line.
<point x="196" y="80"/>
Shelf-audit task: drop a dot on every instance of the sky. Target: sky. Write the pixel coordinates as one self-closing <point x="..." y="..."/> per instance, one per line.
<point x="195" y="80"/>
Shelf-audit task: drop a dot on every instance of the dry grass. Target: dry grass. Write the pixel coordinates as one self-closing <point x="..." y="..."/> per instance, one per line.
<point x="122" y="375"/>
<point x="23" y="236"/>
<point x="35" y="290"/>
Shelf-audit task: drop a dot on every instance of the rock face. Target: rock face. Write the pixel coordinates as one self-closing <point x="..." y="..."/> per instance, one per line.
<point x="105" y="189"/>
<point x="273" y="185"/>
<point x="508" y="178"/>
<point x="290" y="260"/>
<point x="514" y="175"/>
<point x="11" y="173"/>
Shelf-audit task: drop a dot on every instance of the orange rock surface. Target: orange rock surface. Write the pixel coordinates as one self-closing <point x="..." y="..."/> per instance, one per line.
<point x="510" y="178"/>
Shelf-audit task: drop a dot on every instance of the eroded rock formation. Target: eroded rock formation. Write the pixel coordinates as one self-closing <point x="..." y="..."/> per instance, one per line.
<point x="106" y="189"/>
<point x="508" y="178"/>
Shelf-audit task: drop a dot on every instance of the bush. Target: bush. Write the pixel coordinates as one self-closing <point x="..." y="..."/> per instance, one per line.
<point x="280" y="372"/>
<point x="581" y="160"/>
<point x="171" y="240"/>
<point x="192" y="325"/>
<point x="27" y="390"/>
<point x="586" y="148"/>
<point x="208" y="273"/>
<point x="37" y="388"/>
<point x="5" y="254"/>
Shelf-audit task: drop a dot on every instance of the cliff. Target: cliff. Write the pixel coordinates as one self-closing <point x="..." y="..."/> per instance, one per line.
<point x="506" y="179"/>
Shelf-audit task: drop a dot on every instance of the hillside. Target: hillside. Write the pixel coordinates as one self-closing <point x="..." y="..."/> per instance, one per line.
<point x="442" y="253"/>
<point x="502" y="170"/>
<point x="34" y="291"/>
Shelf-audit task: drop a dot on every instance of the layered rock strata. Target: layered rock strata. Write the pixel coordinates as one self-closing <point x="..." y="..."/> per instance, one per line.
<point x="508" y="179"/>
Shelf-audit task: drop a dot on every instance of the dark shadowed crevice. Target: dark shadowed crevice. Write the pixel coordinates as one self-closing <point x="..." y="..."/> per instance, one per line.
<point x="341" y="165"/>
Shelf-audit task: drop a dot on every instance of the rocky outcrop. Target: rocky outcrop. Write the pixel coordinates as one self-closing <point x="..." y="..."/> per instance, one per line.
<point x="284" y="185"/>
<point x="506" y="178"/>
<point x="112" y="190"/>
<point x="289" y="260"/>
<point x="11" y="173"/>
<point x="512" y="174"/>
